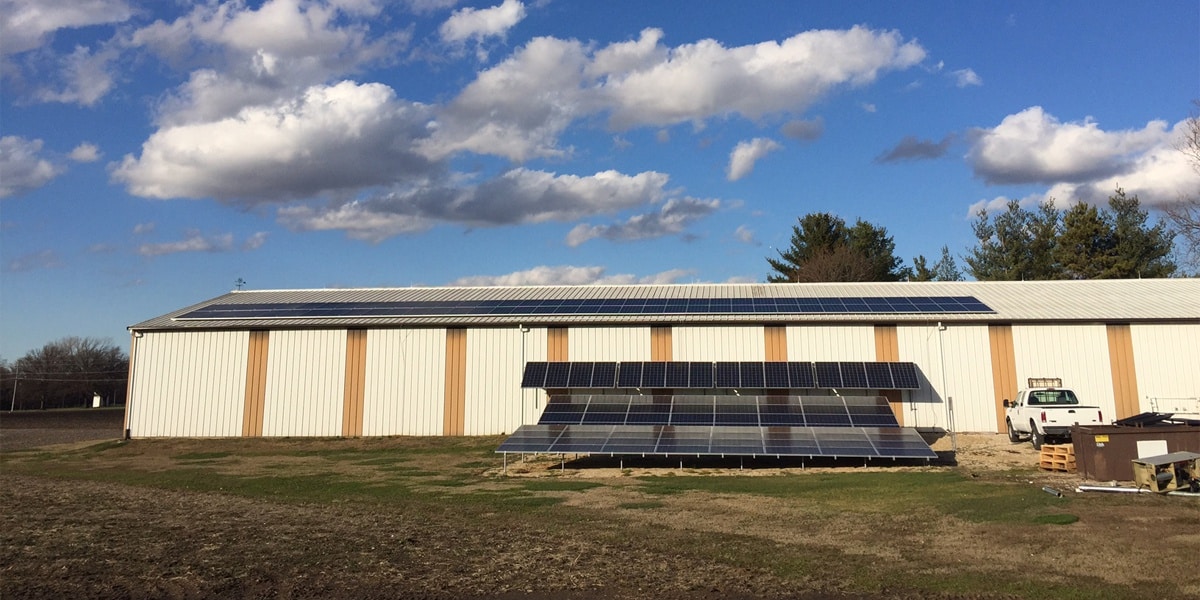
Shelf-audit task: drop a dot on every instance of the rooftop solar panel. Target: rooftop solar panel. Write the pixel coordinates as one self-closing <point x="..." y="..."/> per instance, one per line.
<point x="800" y="374"/>
<point x="879" y="376"/>
<point x="702" y="306"/>
<point x="678" y="374"/>
<point x="776" y="375"/>
<point x="654" y="375"/>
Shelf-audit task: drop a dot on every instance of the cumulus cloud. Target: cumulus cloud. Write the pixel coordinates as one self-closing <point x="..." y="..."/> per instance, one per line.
<point x="746" y="154"/>
<point x="85" y="152"/>
<point x="517" y="196"/>
<point x="911" y="148"/>
<point x="42" y="259"/>
<point x="653" y="85"/>
<point x="804" y="130"/>
<point x="1035" y="147"/>
<point x="341" y="137"/>
<point x="194" y="242"/>
<point x="966" y="78"/>
<point x="674" y="217"/>
<point x="518" y="108"/>
<point x="28" y="24"/>
<point x="261" y="55"/>
<point x="21" y="167"/>
<point x="143" y="228"/>
<point x="478" y="23"/>
<point x="571" y="275"/>
<point x="86" y="77"/>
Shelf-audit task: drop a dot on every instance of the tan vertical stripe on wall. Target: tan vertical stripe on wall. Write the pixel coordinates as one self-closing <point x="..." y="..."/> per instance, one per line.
<point x="355" y="386"/>
<point x="556" y="344"/>
<point x="454" y="418"/>
<point x="256" y="384"/>
<point x="1124" y="373"/>
<point x="1004" y="368"/>
<point x="887" y="349"/>
<point x="660" y="343"/>
<point x="776" y="341"/>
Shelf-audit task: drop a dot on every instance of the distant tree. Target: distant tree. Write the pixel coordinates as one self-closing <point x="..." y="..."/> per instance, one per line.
<point x="1085" y="247"/>
<point x="945" y="269"/>
<point x="823" y="248"/>
<point x="1139" y="250"/>
<point x="1015" y="245"/>
<point x="69" y="371"/>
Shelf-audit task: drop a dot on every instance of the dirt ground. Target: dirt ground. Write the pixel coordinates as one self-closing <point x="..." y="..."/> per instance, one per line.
<point x="100" y="539"/>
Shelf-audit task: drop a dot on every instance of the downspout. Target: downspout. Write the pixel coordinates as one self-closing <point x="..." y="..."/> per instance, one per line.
<point x="133" y="345"/>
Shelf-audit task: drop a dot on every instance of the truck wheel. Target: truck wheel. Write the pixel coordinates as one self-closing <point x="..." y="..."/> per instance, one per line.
<point x="1013" y="436"/>
<point x="1035" y="437"/>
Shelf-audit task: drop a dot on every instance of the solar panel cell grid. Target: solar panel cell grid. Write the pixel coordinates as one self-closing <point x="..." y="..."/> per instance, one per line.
<point x="535" y="375"/>
<point x="654" y="375"/>
<point x="629" y="375"/>
<point x="700" y="375"/>
<point x="558" y="374"/>
<point x="604" y="375"/>
<point x="581" y="375"/>
<point x="854" y="375"/>
<point x="728" y="375"/>
<point x="829" y="375"/>
<point x="751" y="375"/>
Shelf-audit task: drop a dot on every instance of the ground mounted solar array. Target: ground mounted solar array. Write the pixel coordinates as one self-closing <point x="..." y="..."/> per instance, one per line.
<point x="699" y="440"/>
<point x="716" y="410"/>
<point x="722" y="375"/>
<point x="616" y="306"/>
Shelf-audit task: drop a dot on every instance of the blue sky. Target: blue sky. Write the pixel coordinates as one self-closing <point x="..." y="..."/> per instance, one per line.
<point x="152" y="153"/>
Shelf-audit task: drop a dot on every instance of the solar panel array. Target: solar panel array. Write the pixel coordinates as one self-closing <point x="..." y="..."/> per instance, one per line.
<point x="700" y="440"/>
<point x="727" y="375"/>
<point x="611" y="306"/>
<point x="716" y="410"/>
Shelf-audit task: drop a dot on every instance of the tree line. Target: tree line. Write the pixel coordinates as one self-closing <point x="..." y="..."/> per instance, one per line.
<point x="66" y="373"/>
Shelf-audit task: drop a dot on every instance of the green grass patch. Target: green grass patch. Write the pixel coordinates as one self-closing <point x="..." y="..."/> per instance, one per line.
<point x="1056" y="519"/>
<point x="558" y="485"/>
<point x="202" y="455"/>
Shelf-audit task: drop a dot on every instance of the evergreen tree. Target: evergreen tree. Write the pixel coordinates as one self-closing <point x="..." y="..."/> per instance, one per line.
<point x="1015" y="245"/>
<point x="823" y="248"/>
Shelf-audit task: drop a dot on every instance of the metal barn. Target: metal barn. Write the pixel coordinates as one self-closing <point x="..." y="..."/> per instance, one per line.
<point x="449" y="361"/>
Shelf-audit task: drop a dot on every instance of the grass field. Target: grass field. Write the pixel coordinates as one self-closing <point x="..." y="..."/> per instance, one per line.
<point x="437" y="518"/>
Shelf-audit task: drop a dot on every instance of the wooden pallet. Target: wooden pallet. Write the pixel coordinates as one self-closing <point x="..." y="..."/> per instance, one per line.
<point x="1058" y="457"/>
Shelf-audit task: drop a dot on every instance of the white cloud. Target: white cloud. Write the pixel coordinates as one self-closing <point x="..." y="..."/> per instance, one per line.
<point x="746" y="235"/>
<point x="705" y="79"/>
<point x="869" y="107"/>
<point x="194" y="242"/>
<point x="746" y="154"/>
<point x="674" y="217"/>
<point x="571" y="275"/>
<point x="478" y="23"/>
<point x="966" y="78"/>
<point x="1078" y="161"/>
<point x="255" y="241"/>
<point x="517" y="196"/>
<point x="86" y="77"/>
<point x="85" y="152"/>
<point x="518" y="108"/>
<point x="143" y="228"/>
<point x="1035" y="147"/>
<point x="42" y="259"/>
<point x="341" y="137"/>
<point x="21" y="169"/>
<point x="28" y="24"/>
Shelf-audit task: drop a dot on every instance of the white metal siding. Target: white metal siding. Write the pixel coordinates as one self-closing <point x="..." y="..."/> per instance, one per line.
<point x="966" y="353"/>
<point x="306" y="375"/>
<point x="1076" y="353"/>
<point x="1167" y="361"/>
<point x="718" y="343"/>
<point x="495" y="402"/>
<point x="831" y="343"/>
<point x="609" y="343"/>
<point x="189" y="384"/>
<point x="405" y="390"/>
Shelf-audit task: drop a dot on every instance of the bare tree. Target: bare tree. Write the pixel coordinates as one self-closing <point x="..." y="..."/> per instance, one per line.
<point x="1185" y="214"/>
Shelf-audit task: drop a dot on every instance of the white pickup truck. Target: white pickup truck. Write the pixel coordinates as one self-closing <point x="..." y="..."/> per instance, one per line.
<point x="1046" y="411"/>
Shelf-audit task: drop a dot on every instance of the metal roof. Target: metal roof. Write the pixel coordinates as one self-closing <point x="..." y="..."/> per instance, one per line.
<point x="1170" y="300"/>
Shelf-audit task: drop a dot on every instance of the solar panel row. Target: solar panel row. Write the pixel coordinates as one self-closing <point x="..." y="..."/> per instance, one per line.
<point x="811" y="411"/>
<point x="693" y="440"/>
<point x="730" y="375"/>
<point x="629" y="306"/>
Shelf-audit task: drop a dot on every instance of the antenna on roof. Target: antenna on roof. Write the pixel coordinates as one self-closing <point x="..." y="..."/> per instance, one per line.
<point x="238" y="283"/>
